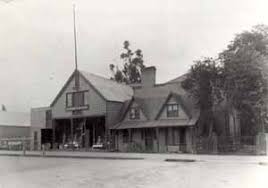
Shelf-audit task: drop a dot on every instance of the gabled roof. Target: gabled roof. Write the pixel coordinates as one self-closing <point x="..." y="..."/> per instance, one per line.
<point x="111" y="90"/>
<point x="152" y="101"/>
<point x="150" y="106"/>
<point x="177" y="79"/>
<point x="178" y="98"/>
<point x="108" y="89"/>
<point x="128" y="104"/>
<point x="17" y="119"/>
<point x="124" y="109"/>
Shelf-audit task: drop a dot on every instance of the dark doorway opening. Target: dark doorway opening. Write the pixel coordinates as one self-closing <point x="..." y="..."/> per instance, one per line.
<point x="46" y="137"/>
<point x="79" y="133"/>
<point x="149" y="135"/>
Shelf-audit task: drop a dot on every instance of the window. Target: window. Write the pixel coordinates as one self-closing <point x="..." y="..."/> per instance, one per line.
<point x="69" y="100"/>
<point x="134" y="113"/>
<point x="79" y="99"/>
<point x="172" y="110"/>
<point x="48" y="115"/>
<point x="48" y="118"/>
<point x="75" y="99"/>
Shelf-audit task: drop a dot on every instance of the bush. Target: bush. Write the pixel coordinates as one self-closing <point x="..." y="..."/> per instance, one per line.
<point x="135" y="147"/>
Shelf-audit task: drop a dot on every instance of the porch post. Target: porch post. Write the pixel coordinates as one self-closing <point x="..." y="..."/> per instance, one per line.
<point x="72" y="132"/>
<point x="93" y="134"/>
<point x="129" y="135"/>
<point x="53" y="134"/>
<point x="157" y="138"/>
<point x="83" y="131"/>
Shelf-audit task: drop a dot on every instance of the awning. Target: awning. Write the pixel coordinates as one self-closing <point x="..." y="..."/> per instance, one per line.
<point x="156" y="123"/>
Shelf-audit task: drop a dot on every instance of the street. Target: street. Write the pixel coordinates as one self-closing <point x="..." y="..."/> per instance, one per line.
<point x="35" y="172"/>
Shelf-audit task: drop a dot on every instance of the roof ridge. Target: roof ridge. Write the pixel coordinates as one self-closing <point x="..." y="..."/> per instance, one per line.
<point x="102" y="77"/>
<point x="15" y="112"/>
<point x="175" y="80"/>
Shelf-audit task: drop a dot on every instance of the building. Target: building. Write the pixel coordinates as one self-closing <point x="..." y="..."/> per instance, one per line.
<point x="83" y="111"/>
<point x="14" y="124"/>
<point x="91" y="110"/>
<point x="158" y="118"/>
<point x="41" y="125"/>
<point x="14" y="128"/>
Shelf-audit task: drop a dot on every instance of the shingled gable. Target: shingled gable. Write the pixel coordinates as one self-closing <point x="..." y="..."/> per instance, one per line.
<point x="108" y="89"/>
<point x="129" y="104"/>
<point x="153" y="100"/>
<point x="178" y="98"/>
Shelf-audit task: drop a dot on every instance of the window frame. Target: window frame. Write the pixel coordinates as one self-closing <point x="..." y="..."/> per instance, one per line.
<point x="172" y="111"/>
<point x="72" y="96"/>
<point x="136" y="113"/>
<point x="69" y="94"/>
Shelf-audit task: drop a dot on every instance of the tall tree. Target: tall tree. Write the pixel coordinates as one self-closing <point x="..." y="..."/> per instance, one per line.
<point x="245" y="77"/>
<point x="132" y="66"/>
<point x="202" y="82"/>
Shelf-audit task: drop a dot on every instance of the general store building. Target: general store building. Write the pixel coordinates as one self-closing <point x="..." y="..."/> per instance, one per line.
<point x="90" y="109"/>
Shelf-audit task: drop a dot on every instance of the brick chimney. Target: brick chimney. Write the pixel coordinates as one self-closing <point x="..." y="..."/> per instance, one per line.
<point x="148" y="77"/>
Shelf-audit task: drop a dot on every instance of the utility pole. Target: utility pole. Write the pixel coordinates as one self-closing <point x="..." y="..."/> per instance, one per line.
<point x="75" y="52"/>
<point x="75" y="45"/>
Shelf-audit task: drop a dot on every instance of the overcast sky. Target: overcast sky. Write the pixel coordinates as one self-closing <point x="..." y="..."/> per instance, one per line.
<point x="36" y="39"/>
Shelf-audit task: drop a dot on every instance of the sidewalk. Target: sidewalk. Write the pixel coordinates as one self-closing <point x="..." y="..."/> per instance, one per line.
<point x="138" y="156"/>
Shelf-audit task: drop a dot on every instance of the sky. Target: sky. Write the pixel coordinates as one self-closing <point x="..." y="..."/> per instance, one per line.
<point x="37" y="46"/>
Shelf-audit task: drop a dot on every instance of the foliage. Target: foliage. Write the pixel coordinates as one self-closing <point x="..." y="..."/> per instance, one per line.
<point x="245" y="77"/>
<point x="239" y="76"/>
<point x="133" y="64"/>
<point x="135" y="147"/>
<point x="203" y="82"/>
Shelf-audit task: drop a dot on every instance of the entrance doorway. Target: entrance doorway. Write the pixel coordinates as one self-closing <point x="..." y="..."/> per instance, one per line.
<point x="149" y="135"/>
<point x="79" y="133"/>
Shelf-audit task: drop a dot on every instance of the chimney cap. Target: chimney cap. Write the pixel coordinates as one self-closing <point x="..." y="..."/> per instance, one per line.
<point x="149" y="68"/>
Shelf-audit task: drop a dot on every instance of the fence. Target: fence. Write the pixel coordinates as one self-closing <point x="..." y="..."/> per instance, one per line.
<point x="15" y="143"/>
<point x="227" y="144"/>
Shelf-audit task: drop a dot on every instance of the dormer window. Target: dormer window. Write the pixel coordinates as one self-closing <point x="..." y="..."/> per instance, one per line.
<point x="134" y="113"/>
<point x="172" y="110"/>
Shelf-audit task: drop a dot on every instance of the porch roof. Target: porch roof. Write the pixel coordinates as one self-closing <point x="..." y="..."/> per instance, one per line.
<point x="156" y="123"/>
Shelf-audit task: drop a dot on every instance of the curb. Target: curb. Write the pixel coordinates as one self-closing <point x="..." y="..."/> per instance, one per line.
<point x="74" y="157"/>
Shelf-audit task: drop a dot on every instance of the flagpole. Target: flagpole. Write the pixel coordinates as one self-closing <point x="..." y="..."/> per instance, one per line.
<point x="75" y="46"/>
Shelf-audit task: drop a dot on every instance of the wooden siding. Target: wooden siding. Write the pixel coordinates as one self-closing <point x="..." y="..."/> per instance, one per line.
<point x="97" y="105"/>
<point x="38" y="117"/>
<point x="13" y="131"/>
<point x="113" y="110"/>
